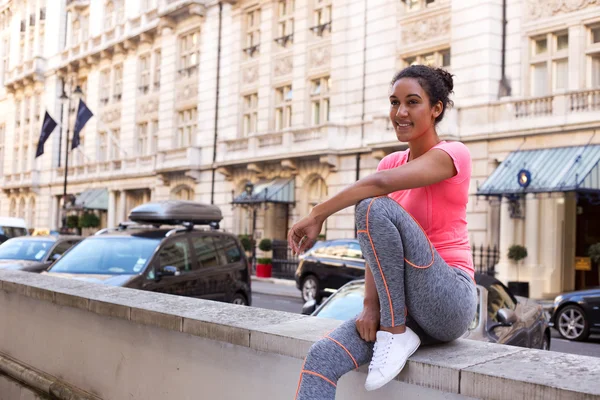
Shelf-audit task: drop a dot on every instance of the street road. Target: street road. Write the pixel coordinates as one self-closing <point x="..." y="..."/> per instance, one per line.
<point x="294" y="305"/>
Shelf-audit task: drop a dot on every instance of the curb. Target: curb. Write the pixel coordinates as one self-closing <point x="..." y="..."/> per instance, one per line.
<point x="41" y="382"/>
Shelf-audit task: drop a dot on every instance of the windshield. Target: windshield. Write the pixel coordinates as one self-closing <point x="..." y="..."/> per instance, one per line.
<point x="32" y="250"/>
<point x="125" y="255"/>
<point x="345" y="304"/>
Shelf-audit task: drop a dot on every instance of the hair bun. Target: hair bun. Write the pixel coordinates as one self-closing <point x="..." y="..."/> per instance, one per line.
<point x="446" y="78"/>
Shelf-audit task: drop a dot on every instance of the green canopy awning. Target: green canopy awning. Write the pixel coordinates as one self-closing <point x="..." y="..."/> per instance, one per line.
<point x="561" y="169"/>
<point x="279" y="190"/>
<point x="92" y="199"/>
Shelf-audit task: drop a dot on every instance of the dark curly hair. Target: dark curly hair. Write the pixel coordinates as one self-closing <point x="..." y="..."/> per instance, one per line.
<point x="436" y="82"/>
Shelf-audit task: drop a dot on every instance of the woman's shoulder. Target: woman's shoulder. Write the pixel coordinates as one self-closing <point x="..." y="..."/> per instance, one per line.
<point x="457" y="148"/>
<point x="392" y="160"/>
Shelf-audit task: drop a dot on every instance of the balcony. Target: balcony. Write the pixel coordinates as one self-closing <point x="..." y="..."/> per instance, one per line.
<point x="28" y="72"/>
<point x="295" y="142"/>
<point x="181" y="159"/>
<point x="77" y="4"/>
<point x="531" y="115"/>
<point x="20" y="180"/>
<point x="181" y="8"/>
<point x="109" y="170"/>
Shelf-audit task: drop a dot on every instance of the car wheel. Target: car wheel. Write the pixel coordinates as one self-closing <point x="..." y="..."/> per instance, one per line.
<point x="571" y="323"/>
<point x="546" y="341"/>
<point x="239" y="299"/>
<point x="310" y="288"/>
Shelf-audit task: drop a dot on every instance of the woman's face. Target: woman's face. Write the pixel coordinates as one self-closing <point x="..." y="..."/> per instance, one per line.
<point x="410" y="110"/>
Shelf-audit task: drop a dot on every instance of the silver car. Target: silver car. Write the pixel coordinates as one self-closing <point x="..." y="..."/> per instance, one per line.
<point x="506" y="319"/>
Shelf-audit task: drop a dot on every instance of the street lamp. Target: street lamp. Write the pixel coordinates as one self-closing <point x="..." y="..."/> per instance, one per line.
<point x="64" y="98"/>
<point x="249" y="189"/>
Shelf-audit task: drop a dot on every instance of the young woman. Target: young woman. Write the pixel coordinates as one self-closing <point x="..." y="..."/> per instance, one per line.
<point x="412" y="229"/>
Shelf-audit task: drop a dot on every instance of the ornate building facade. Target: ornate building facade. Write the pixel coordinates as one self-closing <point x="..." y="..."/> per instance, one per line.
<point x="193" y="99"/>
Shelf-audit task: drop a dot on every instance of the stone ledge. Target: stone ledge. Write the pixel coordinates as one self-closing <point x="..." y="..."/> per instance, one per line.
<point x="474" y="369"/>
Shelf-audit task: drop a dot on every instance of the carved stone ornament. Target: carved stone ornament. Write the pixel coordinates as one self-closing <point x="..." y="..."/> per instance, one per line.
<point x="250" y="75"/>
<point x="547" y="8"/>
<point x="148" y="107"/>
<point x="283" y="66"/>
<point x="186" y="92"/>
<point x="319" y="57"/>
<point x="420" y="31"/>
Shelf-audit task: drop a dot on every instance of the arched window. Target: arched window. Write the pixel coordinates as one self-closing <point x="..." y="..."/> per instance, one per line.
<point x="31" y="213"/>
<point x="182" y="193"/>
<point x="12" y="212"/>
<point x="21" y="213"/>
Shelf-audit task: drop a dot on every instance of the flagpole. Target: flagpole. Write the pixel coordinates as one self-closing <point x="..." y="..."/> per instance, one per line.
<point x="64" y="217"/>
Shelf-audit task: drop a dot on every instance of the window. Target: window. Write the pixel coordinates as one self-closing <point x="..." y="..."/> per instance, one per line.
<point x="18" y="113"/>
<point x="157" y="61"/>
<point x="182" y="193"/>
<point x="118" y="82"/>
<point x="25" y="158"/>
<point x="102" y="147"/>
<point x="252" y="48"/>
<point x="285" y="23"/>
<point x="205" y="251"/>
<point x="283" y="107"/>
<point x="414" y="5"/>
<point x="85" y="27"/>
<point x="105" y="86"/>
<point x="109" y="16"/>
<point x="5" y="58"/>
<point x="595" y="71"/>
<point x="189" y="54"/>
<point x="250" y="124"/>
<point x="120" y="11"/>
<point x="594" y="57"/>
<point x="144" y="78"/>
<point x="36" y="108"/>
<point x="186" y="127"/>
<point x="321" y="17"/>
<point x="27" y="110"/>
<point x="549" y="64"/>
<point x="114" y="146"/>
<point x="175" y="254"/>
<point x="60" y="249"/>
<point x="142" y="138"/>
<point x="353" y="251"/>
<point x="31" y="44"/>
<point x="228" y="250"/>
<point x="319" y="98"/>
<point x="76" y="32"/>
<point x="148" y="5"/>
<point x="439" y="58"/>
<point x="154" y="141"/>
<point x="498" y="298"/>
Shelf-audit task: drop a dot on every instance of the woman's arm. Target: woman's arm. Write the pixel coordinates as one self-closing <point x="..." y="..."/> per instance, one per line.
<point x="371" y="297"/>
<point x="367" y="322"/>
<point x="432" y="167"/>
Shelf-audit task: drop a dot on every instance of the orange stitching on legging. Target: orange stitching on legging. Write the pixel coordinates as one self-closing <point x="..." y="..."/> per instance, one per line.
<point x="300" y="380"/>
<point x="362" y="232"/>
<point x="343" y="347"/>
<point x="319" y="375"/>
<point x="378" y="264"/>
<point x="426" y="237"/>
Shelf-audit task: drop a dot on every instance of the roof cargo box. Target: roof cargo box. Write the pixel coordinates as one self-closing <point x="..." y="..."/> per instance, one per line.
<point x="176" y="212"/>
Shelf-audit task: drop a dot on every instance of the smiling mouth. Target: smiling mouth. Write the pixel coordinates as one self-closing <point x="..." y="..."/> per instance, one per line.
<point x="403" y="125"/>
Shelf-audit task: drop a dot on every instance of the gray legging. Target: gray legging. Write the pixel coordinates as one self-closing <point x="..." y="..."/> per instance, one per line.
<point x="415" y="286"/>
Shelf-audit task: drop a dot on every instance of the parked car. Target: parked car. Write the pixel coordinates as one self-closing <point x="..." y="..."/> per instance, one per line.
<point x="327" y="266"/>
<point x="180" y="259"/>
<point x="34" y="253"/>
<point x="576" y="315"/>
<point x="12" y="227"/>
<point x="506" y="319"/>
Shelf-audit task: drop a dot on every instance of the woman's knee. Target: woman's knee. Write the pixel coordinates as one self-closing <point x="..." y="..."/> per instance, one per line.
<point x="319" y="354"/>
<point x="374" y="206"/>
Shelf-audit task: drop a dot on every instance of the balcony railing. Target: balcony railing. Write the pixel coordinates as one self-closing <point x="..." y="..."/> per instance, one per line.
<point x="107" y="170"/>
<point x="175" y="8"/>
<point x="530" y="114"/>
<point x="178" y="159"/>
<point x="21" y="180"/>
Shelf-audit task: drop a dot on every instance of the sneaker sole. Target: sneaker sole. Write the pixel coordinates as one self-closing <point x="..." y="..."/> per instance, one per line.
<point x="399" y="369"/>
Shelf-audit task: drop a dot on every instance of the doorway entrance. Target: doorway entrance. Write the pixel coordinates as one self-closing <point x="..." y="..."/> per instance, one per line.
<point x="588" y="233"/>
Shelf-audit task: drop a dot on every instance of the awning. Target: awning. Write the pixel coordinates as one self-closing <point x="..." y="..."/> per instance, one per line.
<point x="280" y="190"/>
<point x="561" y="169"/>
<point x="92" y="199"/>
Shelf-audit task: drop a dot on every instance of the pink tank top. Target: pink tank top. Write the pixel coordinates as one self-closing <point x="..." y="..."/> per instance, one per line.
<point x="441" y="209"/>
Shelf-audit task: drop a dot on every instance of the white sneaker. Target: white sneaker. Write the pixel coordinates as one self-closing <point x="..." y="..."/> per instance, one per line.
<point x="389" y="356"/>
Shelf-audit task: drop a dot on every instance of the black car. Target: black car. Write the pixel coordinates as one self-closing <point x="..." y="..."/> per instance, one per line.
<point x="34" y="253"/>
<point x="507" y="319"/>
<point x="327" y="266"/>
<point x="576" y="315"/>
<point x="180" y="260"/>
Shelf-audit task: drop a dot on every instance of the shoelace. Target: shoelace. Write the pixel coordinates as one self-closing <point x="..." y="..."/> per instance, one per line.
<point x="380" y="352"/>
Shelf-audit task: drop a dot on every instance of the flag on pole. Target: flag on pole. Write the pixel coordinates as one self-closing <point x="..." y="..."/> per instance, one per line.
<point x="83" y="116"/>
<point x="47" y="128"/>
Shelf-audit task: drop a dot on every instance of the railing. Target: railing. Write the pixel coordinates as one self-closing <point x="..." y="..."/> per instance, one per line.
<point x="533" y="107"/>
<point x="284" y="261"/>
<point x="585" y="101"/>
<point x="485" y="259"/>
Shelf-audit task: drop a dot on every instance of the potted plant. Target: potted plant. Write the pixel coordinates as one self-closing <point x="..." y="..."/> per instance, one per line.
<point x="264" y="265"/>
<point x="517" y="253"/>
<point x="594" y="253"/>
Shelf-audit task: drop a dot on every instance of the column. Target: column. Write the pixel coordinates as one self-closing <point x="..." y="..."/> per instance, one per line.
<point x="112" y="204"/>
<point x="532" y="221"/>
<point x="54" y="213"/>
<point x="507" y="231"/>
<point x="122" y="207"/>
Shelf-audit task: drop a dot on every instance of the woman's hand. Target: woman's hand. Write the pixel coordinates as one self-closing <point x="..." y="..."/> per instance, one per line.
<point x="367" y="322"/>
<point x="304" y="233"/>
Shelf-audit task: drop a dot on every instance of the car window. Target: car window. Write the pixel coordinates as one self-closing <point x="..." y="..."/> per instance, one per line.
<point x="475" y="321"/>
<point x="498" y="298"/>
<point x="336" y="250"/>
<point x="205" y="251"/>
<point x="228" y="250"/>
<point x="32" y="250"/>
<point x="11" y="231"/>
<point x="353" y="250"/>
<point x="107" y="255"/>
<point x="345" y="304"/>
<point x="175" y="253"/>
<point x="60" y="249"/>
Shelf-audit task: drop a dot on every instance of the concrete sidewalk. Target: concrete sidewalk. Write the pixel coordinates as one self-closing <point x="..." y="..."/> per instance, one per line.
<point x="275" y="287"/>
